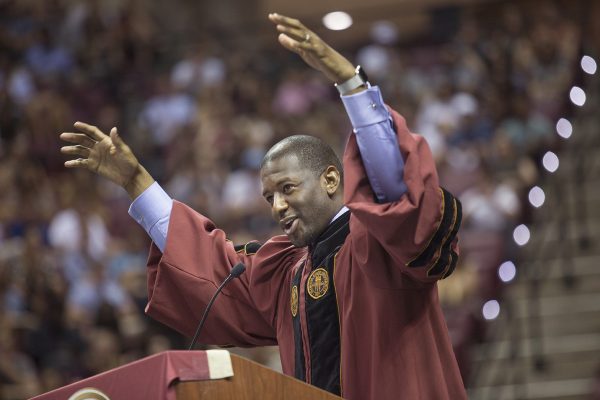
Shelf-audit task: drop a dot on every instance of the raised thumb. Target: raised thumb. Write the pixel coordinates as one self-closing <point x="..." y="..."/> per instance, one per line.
<point x="116" y="138"/>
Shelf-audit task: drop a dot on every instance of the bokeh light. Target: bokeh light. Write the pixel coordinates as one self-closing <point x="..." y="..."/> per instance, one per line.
<point x="337" y="20"/>
<point x="507" y="271"/>
<point x="537" y="197"/>
<point x="577" y="96"/>
<point x="491" y="309"/>
<point x="521" y="235"/>
<point x="550" y="161"/>
<point x="588" y="65"/>
<point x="564" y="128"/>
<point x="384" y="32"/>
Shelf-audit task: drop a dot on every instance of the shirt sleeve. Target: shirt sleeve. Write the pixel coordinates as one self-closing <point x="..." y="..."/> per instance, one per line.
<point x="377" y="142"/>
<point x="152" y="210"/>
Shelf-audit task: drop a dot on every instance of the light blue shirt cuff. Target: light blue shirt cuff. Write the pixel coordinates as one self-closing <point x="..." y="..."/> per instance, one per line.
<point x="152" y="210"/>
<point x="366" y="108"/>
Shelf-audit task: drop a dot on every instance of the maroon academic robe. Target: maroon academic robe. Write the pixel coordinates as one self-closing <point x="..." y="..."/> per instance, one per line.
<point x="357" y="313"/>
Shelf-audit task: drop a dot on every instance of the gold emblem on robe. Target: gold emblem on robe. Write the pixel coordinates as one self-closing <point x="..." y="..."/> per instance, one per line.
<point x="318" y="283"/>
<point x="294" y="301"/>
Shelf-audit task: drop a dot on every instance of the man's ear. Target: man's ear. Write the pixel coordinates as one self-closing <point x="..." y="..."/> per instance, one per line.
<point x="330" y="180"/>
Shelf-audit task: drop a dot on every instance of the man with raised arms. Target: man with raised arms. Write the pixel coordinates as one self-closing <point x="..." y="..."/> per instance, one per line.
<point x="349" y="291"/>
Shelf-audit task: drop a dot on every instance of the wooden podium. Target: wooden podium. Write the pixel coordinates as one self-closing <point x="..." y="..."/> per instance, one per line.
<point x="189" y="375"/>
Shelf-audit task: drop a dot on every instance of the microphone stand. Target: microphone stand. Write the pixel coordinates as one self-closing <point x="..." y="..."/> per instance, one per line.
<point x="235" y="272"/>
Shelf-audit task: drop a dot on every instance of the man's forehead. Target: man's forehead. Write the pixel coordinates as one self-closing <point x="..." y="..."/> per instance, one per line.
<point x="284" y="164"/>
<point x="284" y="168"/>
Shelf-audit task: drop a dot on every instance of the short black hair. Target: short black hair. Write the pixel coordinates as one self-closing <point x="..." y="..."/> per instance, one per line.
<point x="312" y="152"/>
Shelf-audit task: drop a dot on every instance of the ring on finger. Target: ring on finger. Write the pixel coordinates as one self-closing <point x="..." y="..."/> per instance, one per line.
<point x="307" y="37"/>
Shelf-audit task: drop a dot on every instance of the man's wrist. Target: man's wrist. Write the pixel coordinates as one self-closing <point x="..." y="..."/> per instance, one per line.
<point x="356" y="83"/>
<point x="139" y="182"/>
<point x="345" y="73"/>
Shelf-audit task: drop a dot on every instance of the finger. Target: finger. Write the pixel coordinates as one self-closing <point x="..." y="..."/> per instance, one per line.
<point x="282" y="19"/>
<point x="294" y="45"/>
<point x="78" y="163"/>
<point x="90" y="130"/>
<point x="116" y="138"/>
<point x="301" y="35"/>
<point x="76" y="151"/>
<point x="78" y="138"/>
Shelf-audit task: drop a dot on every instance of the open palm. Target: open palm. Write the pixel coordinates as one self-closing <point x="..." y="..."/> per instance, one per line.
<point x="106" y="155"/>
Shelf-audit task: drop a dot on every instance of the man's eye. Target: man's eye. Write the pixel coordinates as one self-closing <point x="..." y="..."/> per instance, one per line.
<point x="287" y="188"/>
<point x="269" y="199"/>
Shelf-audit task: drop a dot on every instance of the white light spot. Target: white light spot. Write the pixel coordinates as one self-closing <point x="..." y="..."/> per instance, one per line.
<point x="550" y="161"/>
<point x="337" y="21"/>
<point x="491" y="309"/>
<point x="588" y="64"/>
<point x="507" y="271"/>
<point x="521" y="235"/>
<point x="537" y="196"/>
<point x="577" y="96"/>
<point x="564" y="128"/>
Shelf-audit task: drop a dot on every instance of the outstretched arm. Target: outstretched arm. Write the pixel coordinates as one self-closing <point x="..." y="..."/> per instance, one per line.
<point x="199" y="258"/>
<point x="371" y="119"/>
<point x="110" y="157"/>
<point x="418" y="224"/>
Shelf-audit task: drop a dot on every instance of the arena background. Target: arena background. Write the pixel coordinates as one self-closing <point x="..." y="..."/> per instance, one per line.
<point x="506" y="93"/>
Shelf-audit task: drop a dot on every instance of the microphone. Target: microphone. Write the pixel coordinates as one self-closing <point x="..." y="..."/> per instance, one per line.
<point x="235" y="272"/>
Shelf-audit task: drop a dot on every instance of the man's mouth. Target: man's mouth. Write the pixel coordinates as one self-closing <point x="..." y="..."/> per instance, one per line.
<point x="289" y="225"/>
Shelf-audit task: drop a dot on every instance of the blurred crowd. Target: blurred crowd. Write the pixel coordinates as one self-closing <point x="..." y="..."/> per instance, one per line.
<point x="200" y="117"/>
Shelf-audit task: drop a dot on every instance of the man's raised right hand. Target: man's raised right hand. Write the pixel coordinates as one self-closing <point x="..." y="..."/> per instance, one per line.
<point x="106" y="155"/>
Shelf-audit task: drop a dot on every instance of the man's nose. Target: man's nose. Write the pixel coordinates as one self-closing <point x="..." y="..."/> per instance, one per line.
<point x="279" y="205"/>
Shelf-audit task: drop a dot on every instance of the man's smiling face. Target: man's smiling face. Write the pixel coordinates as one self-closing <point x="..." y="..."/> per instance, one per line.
<point x="301" y="200"/>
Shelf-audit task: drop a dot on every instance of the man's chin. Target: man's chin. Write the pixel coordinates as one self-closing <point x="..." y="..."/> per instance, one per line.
<point x="297" y="242"/>
<point x="300" y="240"/>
